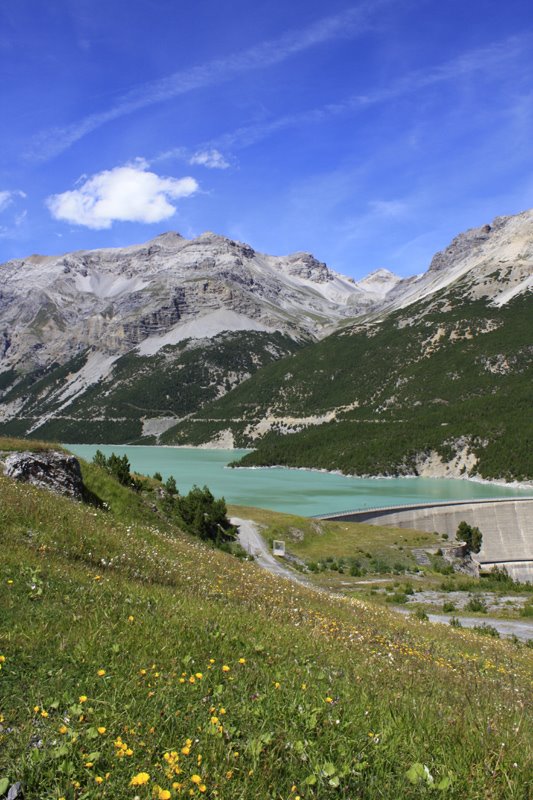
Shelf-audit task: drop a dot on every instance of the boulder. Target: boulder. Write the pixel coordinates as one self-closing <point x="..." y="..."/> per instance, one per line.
<point x="52" y="470"/>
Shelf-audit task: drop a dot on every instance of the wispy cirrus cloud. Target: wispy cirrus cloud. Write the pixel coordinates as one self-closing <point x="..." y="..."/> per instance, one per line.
<point x="480" y="60"/>
<point x="7" y="197"/>
<point x="127" y="193"/>
<point x="212" y="159"/>
<point x="348" y="23"/>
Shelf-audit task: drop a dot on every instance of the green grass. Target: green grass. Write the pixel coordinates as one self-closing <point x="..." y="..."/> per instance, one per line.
<point x="10" y="444"/>
<point x="376" y="549"/>
<point x="334" y="697"/>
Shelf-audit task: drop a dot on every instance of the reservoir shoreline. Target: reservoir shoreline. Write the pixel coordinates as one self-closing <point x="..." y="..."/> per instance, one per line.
<point x="296" y="490"/>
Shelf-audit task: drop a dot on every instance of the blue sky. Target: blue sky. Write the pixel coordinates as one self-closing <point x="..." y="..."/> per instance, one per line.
<point x="367" y="133"/>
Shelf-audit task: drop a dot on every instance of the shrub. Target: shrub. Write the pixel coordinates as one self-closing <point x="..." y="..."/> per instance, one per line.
<point x="448" y="607"/>
<point x="397" y="597"/>
<point x="117" y="466"/>
<point x="487" y="630"/>
<point x="476" y="604"/>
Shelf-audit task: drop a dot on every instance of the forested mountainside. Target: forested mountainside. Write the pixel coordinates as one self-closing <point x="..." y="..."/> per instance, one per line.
<point x="443" y="380"/>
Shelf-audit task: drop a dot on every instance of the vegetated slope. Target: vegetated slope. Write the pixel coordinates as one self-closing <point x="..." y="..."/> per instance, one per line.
<point x="137" y="396"/>
<point x="446" y="377"/>
<point x="156" y="666"/>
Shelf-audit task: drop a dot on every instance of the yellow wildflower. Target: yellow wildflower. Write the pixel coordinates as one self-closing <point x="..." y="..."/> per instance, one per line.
<point x="140" y="779"/>
<point x="101" y="730"/>
<point x="163" y="794"/>
<point x="131" y="618"/>
<point x="44" y="713"/>
<point x="101" y="673"/>
<point x="225" y="668"/>
<point x="63" y="729"/>
<point x="99" y="779"/>
<point x="242" y="661"/>
<point x="196" y="779"/>
<point x="82" y="698"/>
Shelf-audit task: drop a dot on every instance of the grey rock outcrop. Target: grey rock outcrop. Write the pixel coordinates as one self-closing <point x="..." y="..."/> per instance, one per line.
<point x="56" y="471"/>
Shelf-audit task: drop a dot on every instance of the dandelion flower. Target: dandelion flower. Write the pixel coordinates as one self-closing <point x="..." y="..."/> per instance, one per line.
<point x="242" y="661"/>
<point x="225" y="668"/>
<point x="101" y="673"/>
<point x="82" y="698"/>
<point x="196" y="779"/>
<point x="101" y="730"/>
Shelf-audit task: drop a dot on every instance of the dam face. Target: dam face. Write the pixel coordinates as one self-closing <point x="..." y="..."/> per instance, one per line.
<point x="506" y="525"/>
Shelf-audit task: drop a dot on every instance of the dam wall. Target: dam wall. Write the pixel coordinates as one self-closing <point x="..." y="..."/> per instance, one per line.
<point x="506" y="525"/>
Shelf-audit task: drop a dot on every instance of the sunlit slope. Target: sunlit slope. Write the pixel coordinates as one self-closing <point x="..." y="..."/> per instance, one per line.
<point x="128" y="651"/>
<point x="445" y="376"/>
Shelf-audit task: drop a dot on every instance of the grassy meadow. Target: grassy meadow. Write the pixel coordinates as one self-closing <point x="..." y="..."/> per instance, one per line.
<point x="137" y="662"/>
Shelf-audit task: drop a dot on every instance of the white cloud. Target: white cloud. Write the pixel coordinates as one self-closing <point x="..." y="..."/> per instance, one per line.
<point x="125" y="194"/>
<point x="7" y="197"/>
<point x="213" y="159"/>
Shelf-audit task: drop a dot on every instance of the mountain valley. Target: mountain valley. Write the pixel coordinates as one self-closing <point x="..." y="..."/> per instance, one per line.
<point x="207" y="342"/>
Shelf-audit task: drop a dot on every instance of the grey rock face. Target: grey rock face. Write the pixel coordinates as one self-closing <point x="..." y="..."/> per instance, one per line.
<point x="50" y="470"/>
<point x="113" y="299"/>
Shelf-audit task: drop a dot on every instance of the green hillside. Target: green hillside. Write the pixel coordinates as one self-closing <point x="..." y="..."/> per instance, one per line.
<point x="138" y="662"/>
<point x="174" y="382"/>
<point x="439" y="375"/>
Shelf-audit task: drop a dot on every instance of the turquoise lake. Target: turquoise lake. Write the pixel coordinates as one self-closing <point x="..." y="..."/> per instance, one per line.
<point x="303" y="492"/>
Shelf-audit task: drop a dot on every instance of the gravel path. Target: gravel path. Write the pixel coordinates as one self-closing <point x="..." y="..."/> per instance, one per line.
<point x="252" y="541"/>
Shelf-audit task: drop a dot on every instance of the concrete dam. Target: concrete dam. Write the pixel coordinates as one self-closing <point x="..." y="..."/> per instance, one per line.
<point x="506" y="525"/>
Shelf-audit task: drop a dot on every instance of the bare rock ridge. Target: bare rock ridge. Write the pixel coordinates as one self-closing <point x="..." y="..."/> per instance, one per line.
<point x="53" y="307"/>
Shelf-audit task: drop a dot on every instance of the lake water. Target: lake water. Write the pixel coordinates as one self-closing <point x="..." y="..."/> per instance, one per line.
<point x="303" y="492"/>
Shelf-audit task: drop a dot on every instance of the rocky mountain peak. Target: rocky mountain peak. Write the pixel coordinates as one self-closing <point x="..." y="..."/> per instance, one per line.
<point x="305" y="265"/>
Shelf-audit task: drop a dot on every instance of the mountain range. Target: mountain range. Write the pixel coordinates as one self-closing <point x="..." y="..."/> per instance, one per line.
<point x="208" y="342"/>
